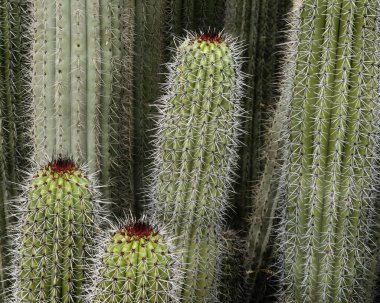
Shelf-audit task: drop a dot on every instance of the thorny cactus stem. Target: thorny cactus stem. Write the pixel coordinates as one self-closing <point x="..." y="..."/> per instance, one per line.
<point x="330" y="170"/>
<point x="54" y="236"/>
<point x="196" y="154"/>
<point x="135" y="264"/>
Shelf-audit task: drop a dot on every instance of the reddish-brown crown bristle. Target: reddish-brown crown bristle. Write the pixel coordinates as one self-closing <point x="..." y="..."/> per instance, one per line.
<point x="215" y="38"/>
<point x="138" y="230"/>
<point x="61" y="165"/>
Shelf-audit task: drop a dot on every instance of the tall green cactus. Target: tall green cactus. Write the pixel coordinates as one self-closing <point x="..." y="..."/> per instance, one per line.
<point x="332" y="99"/>
<point x="135" y="263"/>
<point x="54" y="236"/>
<point x="150" y="54"/>
<point x="196" y="150"/>
<point x="80" y="94"/>
<point x="265" y="202"/>
<point x="259" y="24"/>
<point x="14" y="102"/>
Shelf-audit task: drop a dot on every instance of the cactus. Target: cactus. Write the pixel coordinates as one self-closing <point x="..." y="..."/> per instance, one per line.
<point x="190" y="15"/>
<point x="78" y="90"/>
<point x="53" y="238"/>
<point x="196" y="153"/>
<point x="14" y="102"/>
<point x="135" y="263"/>
<point x="149" y="56"/>
<point x="265" y="200"/>
<point x="330" y="167"/>
<point x="258" y="23"/>
<point x="232" y="268"/>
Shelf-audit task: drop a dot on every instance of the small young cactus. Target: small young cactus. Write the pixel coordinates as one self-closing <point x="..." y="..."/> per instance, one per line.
<point x="331" y="161"/>
<point x="196" y="150"/>
<point x="135" y="263"/>
<point x="53" y="238"/>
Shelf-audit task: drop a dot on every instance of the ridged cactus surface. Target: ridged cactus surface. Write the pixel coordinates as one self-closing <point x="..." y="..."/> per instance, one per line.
<point x="330" y="171"/>
<point x="135" y="264"/>
<point x="196" y="153"/>
<point x="190" y="15"/>
<point x="14" y="123"/>
<point x="81" y="85"/>
<point x="149" y="56"/>
<point x="259" y="24"/>
<point x="54" y="236"/>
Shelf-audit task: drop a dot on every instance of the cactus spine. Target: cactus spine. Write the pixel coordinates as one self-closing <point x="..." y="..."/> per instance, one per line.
<point x="136" y="263"/>
<point x="258" y="23"/>
<point x="330" y="168"/>
<point x="54" y="235"/>
<point x="78" y="91"/>
<point x="196" y="153"/>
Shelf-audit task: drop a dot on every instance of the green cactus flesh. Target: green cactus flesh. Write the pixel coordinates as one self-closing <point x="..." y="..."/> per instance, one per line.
<point x="56" y="234"/>
<point x="136" y="266"/>
<point x="330" y="168"/>
<point x="195" y="155"/>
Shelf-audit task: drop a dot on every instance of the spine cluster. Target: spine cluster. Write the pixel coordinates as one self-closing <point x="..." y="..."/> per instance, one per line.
<point x="196" y="153"/>
<point x="330" y="168"/>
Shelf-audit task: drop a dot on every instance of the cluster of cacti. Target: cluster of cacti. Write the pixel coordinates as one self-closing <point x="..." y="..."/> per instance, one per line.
<point x="330" y="164"/>
<point x="135" y="263"/>
<point x="80" y="87"/>
<point x="196" y="153"/>
<point x="53" y="238"/>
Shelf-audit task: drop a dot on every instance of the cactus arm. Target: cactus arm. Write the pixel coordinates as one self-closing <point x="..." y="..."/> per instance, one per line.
<point x="3" y="216"/>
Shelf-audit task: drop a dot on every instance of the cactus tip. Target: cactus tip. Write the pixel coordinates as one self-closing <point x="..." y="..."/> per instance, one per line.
<point x="62" y="165"/>
<point x="138" y="230"/>
<point x="210" y="37"/>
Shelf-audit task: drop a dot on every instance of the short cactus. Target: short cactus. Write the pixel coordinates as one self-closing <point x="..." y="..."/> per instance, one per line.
<point x="331" y="163"/>
<point x="135" y="264"/>
<point x="54" y="235"/>
<point x="196" y="149"/>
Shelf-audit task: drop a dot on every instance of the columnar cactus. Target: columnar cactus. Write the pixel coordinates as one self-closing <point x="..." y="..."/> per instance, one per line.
<point x="232" y="269"/>
<point x="77" y="83"/>
<point x="150" y="54"/>
<point x="332" y="99"/>
<point x="135" y="263"/>
<point x="14" y="100"/>
<point x="193" y="15"/>
<point x="196" y="150"/>
<point x="54" y="236"/>
<point x="265" y="202"/>
<point x="259" y="24"/>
